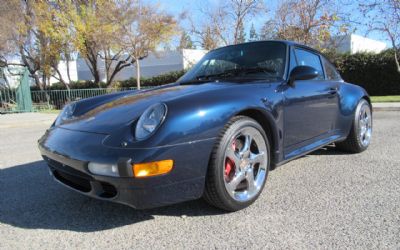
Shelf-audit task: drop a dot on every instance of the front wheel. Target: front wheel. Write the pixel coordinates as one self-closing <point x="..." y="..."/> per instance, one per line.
<point x="239" y="165"/>
<point x="361" y="131"/>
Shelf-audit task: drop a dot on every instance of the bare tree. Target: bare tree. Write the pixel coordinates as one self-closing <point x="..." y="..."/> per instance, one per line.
<point x="225" y="23"/>
<point x="239" y="11"/>
<point x="383" y="16"/>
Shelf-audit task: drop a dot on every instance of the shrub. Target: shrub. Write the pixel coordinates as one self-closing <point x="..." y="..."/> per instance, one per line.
<point x="170" y="77"/>
<point x="375" y="72"/>
<point x="73" y="85"/>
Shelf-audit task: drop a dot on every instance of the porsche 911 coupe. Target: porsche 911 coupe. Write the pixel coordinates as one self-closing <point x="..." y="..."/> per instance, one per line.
<point x="216" y="133"/>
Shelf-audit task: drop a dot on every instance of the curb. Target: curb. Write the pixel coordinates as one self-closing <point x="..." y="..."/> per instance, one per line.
<point x="386" y="108"/>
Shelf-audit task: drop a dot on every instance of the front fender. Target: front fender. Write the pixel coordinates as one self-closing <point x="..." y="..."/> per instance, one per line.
<point x="201" y="117"/>
<point x="350" y="95"/>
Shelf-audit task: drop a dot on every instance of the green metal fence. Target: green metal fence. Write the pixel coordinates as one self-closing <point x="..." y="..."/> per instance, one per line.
<point x="19" y="99"/>
<point x="8" y="100"/>
<point x="56" y="99"/>
<point x="51" y="99"/>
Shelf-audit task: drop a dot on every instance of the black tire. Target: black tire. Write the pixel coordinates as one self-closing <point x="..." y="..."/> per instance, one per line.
<point x="215" y="192"/>
<point x="353" y="142"/>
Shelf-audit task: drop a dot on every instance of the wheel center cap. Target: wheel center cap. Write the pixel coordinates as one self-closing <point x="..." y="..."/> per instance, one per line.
<point x="244" y="163"/>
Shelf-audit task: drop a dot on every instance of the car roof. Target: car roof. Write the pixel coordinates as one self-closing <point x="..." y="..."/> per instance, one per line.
<point x="288" y="43"/>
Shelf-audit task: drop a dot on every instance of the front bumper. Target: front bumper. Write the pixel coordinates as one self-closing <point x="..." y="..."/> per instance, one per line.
<point x="69" y="152"/>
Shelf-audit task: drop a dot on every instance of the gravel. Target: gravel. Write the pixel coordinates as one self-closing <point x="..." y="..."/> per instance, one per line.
<point x="327" y="199"/>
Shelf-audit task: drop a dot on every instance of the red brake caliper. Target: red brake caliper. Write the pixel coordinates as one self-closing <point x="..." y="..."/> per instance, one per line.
<point x="229" y="164"/>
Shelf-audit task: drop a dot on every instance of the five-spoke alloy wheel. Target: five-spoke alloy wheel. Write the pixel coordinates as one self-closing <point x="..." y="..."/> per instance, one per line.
<point x="360" y="134"/>
<point x="239" y="165"/>
<point x="245" y="164"/>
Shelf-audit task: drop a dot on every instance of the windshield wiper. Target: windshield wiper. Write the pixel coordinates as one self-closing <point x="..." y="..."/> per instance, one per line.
<point x="258" y="70"/>
<point x="194" y="81"/>
<point x="230" y="72"/>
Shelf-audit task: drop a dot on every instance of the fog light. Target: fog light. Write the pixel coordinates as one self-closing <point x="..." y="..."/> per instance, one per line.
<point x="103" y="169"/>
<point x="152" y="168"/>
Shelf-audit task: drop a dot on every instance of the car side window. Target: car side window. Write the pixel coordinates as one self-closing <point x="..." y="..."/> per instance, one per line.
<point x="330" y="71"/>
<point x="305" y="58"/>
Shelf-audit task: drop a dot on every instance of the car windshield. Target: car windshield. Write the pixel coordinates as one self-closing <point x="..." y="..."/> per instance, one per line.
<point x="248" y="61"/>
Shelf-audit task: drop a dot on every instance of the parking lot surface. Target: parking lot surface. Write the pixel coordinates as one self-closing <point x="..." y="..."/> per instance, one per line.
<point x="327" y="199"/>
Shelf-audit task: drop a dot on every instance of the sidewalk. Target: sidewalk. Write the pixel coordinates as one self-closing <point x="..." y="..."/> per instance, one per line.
<point x="386" y="106"/>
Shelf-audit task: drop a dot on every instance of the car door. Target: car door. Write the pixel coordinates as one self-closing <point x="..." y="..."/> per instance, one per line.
<point x="310" y="108"/>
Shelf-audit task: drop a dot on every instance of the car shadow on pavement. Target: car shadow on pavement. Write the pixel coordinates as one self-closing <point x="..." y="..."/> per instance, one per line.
<point x="30" y="198"/>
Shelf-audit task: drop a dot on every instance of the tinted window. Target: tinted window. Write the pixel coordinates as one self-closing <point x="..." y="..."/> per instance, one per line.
<point x="259" y="60"/>
<point x="305" y="58"/>
<point x="330" y="71"/>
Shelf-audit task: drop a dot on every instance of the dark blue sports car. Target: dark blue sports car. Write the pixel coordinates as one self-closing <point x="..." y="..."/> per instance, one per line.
<point x="215" y="133"/>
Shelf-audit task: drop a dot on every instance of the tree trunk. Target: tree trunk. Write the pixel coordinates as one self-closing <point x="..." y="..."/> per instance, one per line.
<point x="138" y="74"/>
<point x="44" y="77"/>
<point x="37" y="81"/>
<point x="396" y="59"/>
<point x="41" y="87"/>
<point x="91" y="61"/>
<point x="68" y="73"/>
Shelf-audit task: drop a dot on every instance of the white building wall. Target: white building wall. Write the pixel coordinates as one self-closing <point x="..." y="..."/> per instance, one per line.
<point x="356" y="44"/>
<point x="153" y="65"/>
<point x="62" y="67"/>
<point x="192" y="56"/>
<point x="363" y="44"/>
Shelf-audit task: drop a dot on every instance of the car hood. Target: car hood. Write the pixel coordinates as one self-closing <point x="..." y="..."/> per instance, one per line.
<point x="123" y="110"/>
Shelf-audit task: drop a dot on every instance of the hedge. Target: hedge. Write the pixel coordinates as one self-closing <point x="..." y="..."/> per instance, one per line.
<point x="376" y="73"/>
<point x="170" y="77"/>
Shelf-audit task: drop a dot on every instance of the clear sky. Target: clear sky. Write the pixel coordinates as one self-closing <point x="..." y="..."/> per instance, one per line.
<point x="176" y="7"/>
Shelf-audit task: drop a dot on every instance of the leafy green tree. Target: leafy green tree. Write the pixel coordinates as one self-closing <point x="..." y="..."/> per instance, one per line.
<point x="95" y="27"/>
<point x="144" y="28"/>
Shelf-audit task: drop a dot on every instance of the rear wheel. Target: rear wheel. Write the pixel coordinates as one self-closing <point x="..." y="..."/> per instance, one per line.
<point x="239" y="165"/>
<point x="361" y="131"/>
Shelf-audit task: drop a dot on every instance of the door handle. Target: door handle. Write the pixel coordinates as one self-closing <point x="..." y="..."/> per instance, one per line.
<point x="333" y="90"/>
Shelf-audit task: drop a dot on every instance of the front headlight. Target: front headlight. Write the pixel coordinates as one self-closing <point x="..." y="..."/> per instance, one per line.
<point x="66" y="114"/>
<point x="150" y="120"/>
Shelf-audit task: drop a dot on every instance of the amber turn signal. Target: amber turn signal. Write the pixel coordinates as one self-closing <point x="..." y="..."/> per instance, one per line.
<point x="152" y="168"/>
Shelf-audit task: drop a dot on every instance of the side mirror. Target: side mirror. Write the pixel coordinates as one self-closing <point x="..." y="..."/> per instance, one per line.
<point x="302" y="73"/>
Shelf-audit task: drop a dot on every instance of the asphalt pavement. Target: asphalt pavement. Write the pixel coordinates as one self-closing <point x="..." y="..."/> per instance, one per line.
<point x="327" y="199"/>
